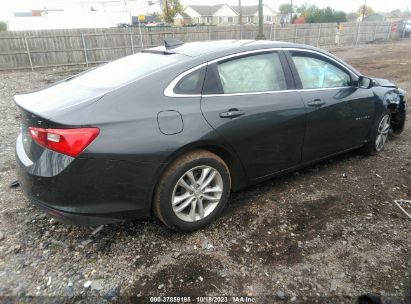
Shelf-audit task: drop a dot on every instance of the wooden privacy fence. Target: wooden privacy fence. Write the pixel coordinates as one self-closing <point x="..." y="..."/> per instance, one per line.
<point x="51" y="48"/>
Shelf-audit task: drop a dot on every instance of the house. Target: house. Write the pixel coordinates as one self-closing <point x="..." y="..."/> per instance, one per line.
<point x="219" y="14"/>
<point x="182" y="19"/>
<point x="250" y="14"/>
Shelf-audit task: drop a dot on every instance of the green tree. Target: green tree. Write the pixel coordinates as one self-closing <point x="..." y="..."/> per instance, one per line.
<point x="307" y="10"/>
<point x="313" y="14"/>
<point x="285" y="8"/>
<point x="170" y="9"/>
<point x="3" y="26"/>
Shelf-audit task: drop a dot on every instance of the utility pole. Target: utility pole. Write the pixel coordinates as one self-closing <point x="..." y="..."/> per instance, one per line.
<point x="240" y="20"/>
<point x="260" y="35"/>
<point x="364" y="8"/>
<point x="166" y="4"/>
<point x="291" y="12"/>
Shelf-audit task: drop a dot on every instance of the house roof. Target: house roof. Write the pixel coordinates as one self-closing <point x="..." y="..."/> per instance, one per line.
<point x="246" y="10"/>
<point x="206" y="10"/>
<point x="249" y="10"/>
<point x="183" y="14"/>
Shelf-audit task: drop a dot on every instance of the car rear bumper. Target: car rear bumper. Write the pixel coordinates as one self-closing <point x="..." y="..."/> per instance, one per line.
<point x="70" y="218"/>
<point x="87" y="191"/>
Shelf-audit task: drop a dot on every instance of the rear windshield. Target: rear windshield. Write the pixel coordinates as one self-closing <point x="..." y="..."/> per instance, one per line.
<point x="125" y="70"/>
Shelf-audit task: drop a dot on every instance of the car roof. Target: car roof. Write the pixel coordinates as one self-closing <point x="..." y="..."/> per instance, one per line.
<point x="209" y="50"/>
<point x="199" y="48"/>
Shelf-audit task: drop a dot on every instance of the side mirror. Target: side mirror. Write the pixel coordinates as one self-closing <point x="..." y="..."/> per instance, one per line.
<point x="365" y="82"/>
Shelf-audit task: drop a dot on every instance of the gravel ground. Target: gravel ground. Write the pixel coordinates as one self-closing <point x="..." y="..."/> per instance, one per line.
<point x="329" y="232"/>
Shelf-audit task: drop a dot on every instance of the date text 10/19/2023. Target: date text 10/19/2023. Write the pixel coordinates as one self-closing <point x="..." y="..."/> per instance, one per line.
<point x="224" y="299"/>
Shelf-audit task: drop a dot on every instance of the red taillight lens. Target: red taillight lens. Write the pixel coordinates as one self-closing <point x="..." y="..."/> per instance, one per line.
<point x="67" y="141"/>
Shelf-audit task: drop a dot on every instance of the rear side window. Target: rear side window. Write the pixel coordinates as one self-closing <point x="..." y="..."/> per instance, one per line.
<point x="255" y="73"/>
<point x="250" y="74"/>
<point x="191" y="83"/>
<point x="316" y="73"/>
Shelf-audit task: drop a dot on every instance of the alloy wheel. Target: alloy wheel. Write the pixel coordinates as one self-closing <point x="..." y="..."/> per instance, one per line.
<point x="382" y="133"/>
<point x="197" y="193"/>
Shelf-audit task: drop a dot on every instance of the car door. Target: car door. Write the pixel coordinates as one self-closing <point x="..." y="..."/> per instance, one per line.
<point x="246" y="99"/>
<point x="338" y="111"/>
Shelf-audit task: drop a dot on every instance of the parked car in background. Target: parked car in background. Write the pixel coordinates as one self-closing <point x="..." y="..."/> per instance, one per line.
<point x="407" y="28"/>
<point x="174" y="129"/>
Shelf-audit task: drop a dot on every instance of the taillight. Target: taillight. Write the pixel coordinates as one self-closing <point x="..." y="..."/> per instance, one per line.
<point x="67" y="141"/>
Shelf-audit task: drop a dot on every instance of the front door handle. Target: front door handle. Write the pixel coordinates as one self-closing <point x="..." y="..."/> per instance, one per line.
<point x="232" y="113"/>
<point x="316" y="103"/>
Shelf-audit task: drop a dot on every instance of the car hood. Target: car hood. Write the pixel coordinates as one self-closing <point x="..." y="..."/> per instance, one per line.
<point x="58" y="99"/>
<point x="384" y="83"/>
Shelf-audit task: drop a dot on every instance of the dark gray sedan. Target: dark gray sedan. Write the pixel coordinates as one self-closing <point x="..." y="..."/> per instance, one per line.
<point x="174" y="129"/>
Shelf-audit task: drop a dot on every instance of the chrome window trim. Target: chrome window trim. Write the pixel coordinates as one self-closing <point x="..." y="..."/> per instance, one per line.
<point x="169" y="90"/>
<point x="269" y="92"/>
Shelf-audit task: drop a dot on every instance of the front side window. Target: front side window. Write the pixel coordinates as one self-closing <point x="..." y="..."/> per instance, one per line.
<point x="316" y="73"/>
<point x="256" y="73"/>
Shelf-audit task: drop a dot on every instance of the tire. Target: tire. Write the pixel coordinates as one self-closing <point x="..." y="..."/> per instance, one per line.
<point x="378" y="134"/>
<point x="176" y="183"/>
<point x="398" y="123"/>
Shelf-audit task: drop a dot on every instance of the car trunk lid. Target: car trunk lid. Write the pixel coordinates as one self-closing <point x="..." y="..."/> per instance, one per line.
<point x="58" y="98"/>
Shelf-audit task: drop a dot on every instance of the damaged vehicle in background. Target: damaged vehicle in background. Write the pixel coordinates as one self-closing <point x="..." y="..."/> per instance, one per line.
<point x="174" y="129"/>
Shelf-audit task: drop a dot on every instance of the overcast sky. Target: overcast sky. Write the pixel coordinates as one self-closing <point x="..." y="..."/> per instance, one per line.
<point x="8" y="6"/>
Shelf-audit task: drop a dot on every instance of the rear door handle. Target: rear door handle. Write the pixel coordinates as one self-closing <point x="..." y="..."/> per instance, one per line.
<point x="316" y="103"/>
<point x="232" y="113"/>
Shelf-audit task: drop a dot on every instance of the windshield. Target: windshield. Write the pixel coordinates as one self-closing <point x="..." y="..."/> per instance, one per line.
<point x="125" y="70"/>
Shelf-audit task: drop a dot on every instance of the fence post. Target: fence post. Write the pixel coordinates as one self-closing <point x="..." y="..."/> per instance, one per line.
<point x="141" y="35"/>
<point x="85" y="49"/>
<point x="28" y="53"/>
<point x="209" y="33"/>
<point x="358" y="33"/>
<point x="319" y="35"/>
<point x="375" y="32"/>
<point x="275" y="32"/>
<point x="271" y="32"/>
<point x="295" y="33"/>
<point x="131" y="40"/>
<point x="389" y="31"/>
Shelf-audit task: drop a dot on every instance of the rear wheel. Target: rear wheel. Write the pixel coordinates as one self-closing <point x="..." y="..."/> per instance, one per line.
<point x="193" y="191"/>
<point x="379" y="136"/>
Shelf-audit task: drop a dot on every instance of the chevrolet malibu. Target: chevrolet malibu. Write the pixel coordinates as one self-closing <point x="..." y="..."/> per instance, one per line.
<point x="174" y="129"/>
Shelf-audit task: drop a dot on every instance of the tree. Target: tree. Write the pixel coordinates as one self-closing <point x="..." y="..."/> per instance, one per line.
<point x="352" y="17"/>
<point x="313" y="14"/>
<point x="307" y="10"/>
<point x="170" y="9"/>
<point x="3" y="26"/>
<point x="285" y="8"/>
<point x="365" y="10"/>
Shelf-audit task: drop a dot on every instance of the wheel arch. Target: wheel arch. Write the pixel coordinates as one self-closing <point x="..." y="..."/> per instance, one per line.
<point x="239" y="178"/>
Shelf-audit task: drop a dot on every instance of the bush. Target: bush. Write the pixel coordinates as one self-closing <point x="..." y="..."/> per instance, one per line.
<point x="3" y="26"/>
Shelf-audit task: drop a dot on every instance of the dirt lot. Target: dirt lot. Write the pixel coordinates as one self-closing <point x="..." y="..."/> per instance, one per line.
<point x="328" y="232"/>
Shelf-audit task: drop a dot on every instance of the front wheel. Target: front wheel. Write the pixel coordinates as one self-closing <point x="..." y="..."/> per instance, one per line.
<point x="193" y="191"/>
<point x="379" y="136"/>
